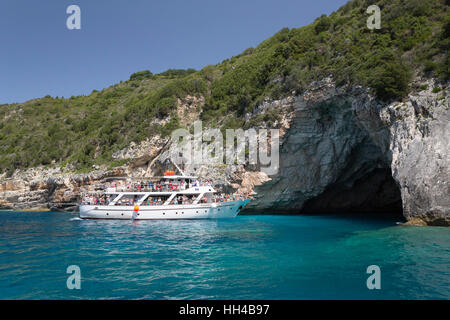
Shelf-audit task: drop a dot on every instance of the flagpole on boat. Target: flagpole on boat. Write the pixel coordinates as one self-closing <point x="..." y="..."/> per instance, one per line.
<point x="178" y="168"/>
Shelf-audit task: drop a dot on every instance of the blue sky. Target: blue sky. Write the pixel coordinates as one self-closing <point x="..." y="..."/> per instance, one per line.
<point x="40" y="56"/>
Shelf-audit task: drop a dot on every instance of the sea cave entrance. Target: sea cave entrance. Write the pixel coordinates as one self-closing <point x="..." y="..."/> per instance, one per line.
<point x="374" y="193"/>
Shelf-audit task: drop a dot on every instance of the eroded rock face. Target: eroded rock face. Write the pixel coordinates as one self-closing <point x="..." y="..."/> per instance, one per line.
<point x="325" y="156"/>
<point x="414" y="135"/>
<point x="342" y="151"/>
<point x="39" y="188"/>
<point x="347" y="152"/>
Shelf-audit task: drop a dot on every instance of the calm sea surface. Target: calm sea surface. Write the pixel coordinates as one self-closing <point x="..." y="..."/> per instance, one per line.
<point x="250" y="257"/>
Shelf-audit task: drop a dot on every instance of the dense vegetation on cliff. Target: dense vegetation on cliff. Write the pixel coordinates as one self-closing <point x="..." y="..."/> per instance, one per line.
<point x="86" y="130"/>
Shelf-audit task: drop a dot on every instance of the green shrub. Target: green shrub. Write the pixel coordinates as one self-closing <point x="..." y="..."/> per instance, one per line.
<point x="436" y="89"/>
<point x="175" y="73"/>
<point x="146" y="74"/>
<point x="322" y="24"/>
<point x="387" y="75"/>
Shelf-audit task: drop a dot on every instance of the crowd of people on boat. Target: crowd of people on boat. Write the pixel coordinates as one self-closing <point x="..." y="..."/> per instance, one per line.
<point x="157" y="201"/>
<point x="164" y="185"/>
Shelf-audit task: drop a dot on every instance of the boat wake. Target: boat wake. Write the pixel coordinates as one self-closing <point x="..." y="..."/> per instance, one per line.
<point x="76" y="219"/>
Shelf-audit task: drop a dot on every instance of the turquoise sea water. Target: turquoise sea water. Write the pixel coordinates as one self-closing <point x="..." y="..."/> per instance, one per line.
<point x="250" y="257"/>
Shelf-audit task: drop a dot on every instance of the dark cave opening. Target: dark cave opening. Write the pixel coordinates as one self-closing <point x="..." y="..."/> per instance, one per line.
<point x="374" y="193"/>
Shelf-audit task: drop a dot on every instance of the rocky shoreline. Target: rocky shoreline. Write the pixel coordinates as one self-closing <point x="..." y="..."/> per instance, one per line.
<point x="342" y="151"/>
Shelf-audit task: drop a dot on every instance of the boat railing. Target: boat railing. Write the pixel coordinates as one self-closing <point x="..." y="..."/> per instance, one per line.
<point x="144" y="189"/>
<point x="159" y="202"/>
<point x="154" y="188"/>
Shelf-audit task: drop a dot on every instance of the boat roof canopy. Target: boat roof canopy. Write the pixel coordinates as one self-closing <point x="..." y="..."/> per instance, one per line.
<point x="109" y="179"/>
<point x="178" y="177"/>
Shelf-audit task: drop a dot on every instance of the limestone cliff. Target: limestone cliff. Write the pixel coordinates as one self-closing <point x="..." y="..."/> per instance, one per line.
<point x="342" y="151"/>
<point x="413" y="135"/>
<point x="346" y="151"/>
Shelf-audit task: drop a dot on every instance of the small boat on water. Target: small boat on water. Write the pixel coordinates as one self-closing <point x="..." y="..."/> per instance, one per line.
<point x="171" y="197"/>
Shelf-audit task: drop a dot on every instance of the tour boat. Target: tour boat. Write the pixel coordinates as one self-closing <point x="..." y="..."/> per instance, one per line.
<point x="171" y="197"/>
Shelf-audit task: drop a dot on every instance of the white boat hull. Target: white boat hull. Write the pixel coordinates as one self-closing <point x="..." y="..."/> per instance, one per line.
<point x="219" y="210"/>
